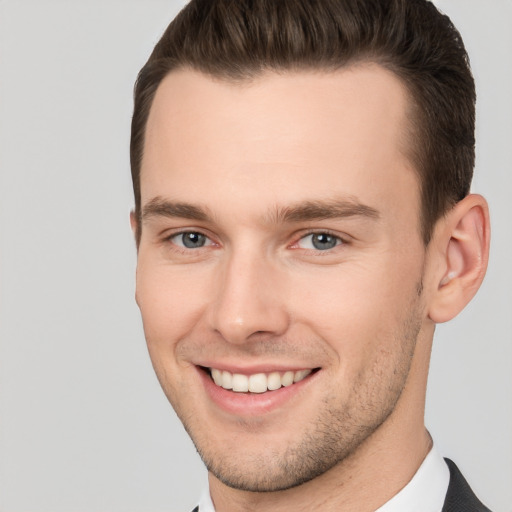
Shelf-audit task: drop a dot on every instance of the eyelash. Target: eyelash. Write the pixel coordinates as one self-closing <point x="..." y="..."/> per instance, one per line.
<point x="340" y="241"/>
<point x="183" y="249"/>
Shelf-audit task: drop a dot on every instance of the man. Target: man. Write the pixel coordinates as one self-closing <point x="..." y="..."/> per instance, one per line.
<point x="303" y="219"/>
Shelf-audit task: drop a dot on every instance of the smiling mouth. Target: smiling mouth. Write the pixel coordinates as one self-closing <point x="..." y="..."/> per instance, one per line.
<point x="257" y="382"/>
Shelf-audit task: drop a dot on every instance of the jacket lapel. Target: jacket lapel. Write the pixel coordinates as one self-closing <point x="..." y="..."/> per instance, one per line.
<point x="460" y="497"/>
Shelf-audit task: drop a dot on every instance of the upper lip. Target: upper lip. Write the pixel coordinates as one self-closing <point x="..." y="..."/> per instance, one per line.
<point x="255" y="368"/>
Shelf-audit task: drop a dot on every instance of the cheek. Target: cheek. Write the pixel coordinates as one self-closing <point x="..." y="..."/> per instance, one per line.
<point x="170" y="301"/>
<point x="357" y="307"/>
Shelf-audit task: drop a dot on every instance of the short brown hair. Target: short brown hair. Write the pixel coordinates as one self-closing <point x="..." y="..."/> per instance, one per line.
<point x="239" y="39"/>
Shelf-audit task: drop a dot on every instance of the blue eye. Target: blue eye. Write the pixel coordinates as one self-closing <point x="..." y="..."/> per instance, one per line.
<point x="319" y="241"/>
<point x="191" y="240"/>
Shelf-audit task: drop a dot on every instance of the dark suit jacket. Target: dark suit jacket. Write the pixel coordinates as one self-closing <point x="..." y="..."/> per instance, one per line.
<point x="459" y="497"/>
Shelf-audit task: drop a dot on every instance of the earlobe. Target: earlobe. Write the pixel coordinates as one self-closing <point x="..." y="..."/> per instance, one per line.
<point x="463" y="251"/>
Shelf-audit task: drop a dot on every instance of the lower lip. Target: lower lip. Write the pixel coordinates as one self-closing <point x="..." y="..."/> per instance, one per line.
<point x="252" y="404"/>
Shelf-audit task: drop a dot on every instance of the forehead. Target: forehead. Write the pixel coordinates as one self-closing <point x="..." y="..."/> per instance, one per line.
<point x="279" y="138"/>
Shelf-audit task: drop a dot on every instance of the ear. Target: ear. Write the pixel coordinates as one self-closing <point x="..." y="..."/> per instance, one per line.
<point x="461" y="248"/>
<point x="134" y="223"/>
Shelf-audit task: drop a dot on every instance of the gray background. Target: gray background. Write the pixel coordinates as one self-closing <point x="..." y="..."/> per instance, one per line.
<point x="83" y="423"/>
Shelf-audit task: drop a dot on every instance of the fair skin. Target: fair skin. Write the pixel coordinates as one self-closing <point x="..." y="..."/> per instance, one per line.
<point x="280" y="235"/>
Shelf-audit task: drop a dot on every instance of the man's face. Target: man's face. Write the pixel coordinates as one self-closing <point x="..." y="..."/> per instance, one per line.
<point x="280" y="240"/>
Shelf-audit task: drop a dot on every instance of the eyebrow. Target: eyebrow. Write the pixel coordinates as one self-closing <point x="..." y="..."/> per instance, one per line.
<point x="301" y="212"/>
<point x="321" y="210"/>
<point x="159" y="207"/>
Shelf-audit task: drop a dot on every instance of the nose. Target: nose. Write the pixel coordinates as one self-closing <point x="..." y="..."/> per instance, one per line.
<point x="250" y="300"/>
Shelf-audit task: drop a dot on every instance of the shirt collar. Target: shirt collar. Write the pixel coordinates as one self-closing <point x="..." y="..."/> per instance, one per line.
<point x="427" y="489"/>
<point x="205" y="501"/>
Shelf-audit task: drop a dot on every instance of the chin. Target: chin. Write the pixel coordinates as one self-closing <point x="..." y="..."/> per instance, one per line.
<point x="277" y="464"/>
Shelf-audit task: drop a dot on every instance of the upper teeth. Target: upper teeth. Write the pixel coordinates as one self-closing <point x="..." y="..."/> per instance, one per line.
<point x="258" y="382"/>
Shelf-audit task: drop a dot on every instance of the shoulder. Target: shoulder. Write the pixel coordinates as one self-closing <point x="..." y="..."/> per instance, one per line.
<point x="460" y="497"/>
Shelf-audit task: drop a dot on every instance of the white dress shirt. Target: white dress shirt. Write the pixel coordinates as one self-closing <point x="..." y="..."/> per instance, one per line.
<point x="424" y="493"/>
<point x="427" y="489"/>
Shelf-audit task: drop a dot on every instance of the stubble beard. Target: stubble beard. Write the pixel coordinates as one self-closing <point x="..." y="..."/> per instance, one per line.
<point x="339" y="430"/>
